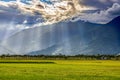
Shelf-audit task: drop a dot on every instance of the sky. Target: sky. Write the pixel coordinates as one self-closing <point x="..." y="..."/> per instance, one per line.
<point x="18" y="15"/>
<point x="95" y="11"/>
<point x="25" y="14"/>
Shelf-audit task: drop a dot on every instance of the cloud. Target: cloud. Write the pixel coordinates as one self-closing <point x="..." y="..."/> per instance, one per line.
<point x="18" y="16"/>
<point x="101" y="17"/>
<point x="114" y="10"/>
<point x="97" y="3"/>
<point x="57" y="11"/>
<point x="52" y="13"/>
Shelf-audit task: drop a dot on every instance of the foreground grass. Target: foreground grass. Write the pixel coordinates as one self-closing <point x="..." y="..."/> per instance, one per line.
<point x="59" y="70"/>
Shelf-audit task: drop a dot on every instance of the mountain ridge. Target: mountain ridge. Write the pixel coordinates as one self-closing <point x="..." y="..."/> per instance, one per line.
<point x="70" y="37"/>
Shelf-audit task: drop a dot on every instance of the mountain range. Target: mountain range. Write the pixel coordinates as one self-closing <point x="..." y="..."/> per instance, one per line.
<point x="69" y="38"/>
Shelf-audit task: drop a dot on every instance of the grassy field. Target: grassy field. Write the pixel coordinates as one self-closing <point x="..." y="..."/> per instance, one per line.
<point x="59" y="70"/>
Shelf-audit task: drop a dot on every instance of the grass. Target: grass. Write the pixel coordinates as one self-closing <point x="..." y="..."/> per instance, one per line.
<point x="59" y="70"/>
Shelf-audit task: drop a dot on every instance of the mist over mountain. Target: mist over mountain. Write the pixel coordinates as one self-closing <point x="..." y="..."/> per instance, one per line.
<point x="69" y="38"/>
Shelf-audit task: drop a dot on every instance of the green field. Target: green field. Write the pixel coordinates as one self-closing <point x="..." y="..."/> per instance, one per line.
<point x="59" y="70"/>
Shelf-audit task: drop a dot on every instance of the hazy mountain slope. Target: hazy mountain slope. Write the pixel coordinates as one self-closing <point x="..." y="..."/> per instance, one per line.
<point x="68" y="38"/>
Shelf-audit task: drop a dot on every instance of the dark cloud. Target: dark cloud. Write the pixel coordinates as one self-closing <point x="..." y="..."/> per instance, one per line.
<point x="17" y="19"/>
<point x="115" y="10"/>
<point x="103" y="16"/>
<point x="101" y="4"/>
<point x="11" y="12"/>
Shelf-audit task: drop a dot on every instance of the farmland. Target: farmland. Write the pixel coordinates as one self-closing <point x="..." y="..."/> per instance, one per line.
<point x="59" y="69"/>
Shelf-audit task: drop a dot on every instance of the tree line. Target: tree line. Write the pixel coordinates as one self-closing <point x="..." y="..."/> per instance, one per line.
<point x="60" y="57"/>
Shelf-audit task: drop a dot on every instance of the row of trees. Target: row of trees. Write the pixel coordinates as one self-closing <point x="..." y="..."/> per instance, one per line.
<point x="61" y="57"/>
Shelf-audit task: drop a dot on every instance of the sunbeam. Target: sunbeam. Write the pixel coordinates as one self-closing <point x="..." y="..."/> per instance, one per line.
<point x="56" y="27"/>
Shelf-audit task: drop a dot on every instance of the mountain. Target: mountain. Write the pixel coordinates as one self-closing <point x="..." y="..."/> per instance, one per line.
<point x="47" y="51"/>
<point x="69" y="38"/>
<point x="115" y="22"/>
<point x="4" y="50"/>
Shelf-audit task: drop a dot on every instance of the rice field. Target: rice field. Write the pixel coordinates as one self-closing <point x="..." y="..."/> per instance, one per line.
<point x="59" y="70"/>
